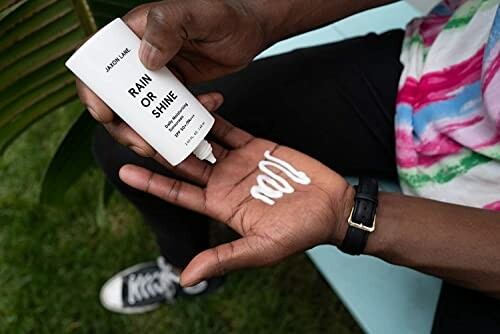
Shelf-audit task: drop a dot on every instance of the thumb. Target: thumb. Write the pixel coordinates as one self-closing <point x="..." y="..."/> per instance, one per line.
<point x="164" y="34"/>
<point x="222" y="259"/>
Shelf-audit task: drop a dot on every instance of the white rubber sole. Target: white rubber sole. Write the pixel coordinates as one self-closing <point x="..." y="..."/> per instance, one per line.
<point x="126" y="310"/>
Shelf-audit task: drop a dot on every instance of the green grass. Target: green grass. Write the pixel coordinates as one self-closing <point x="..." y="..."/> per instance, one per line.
<point x="53" y="262"/>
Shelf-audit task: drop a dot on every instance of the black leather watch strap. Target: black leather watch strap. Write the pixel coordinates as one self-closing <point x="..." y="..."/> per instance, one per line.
<point x="362" y="219"/>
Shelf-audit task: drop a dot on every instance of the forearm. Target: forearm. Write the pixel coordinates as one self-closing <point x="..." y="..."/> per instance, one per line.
<point x="285" y="18"/>
<point x="459" y="244"/>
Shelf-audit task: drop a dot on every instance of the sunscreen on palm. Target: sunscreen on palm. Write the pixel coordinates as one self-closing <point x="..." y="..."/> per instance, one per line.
<point x="270" y="186"/>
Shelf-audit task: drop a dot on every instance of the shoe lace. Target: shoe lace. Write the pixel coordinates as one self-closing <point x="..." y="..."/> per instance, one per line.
<point x="144" y="286"/>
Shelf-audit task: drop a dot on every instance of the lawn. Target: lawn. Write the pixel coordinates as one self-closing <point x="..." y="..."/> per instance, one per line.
<point x="54" y="260"/>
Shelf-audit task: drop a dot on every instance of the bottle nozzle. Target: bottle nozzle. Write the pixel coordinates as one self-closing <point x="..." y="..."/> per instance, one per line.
<point x="211" y="158"/>
<point x="204" y="152"/>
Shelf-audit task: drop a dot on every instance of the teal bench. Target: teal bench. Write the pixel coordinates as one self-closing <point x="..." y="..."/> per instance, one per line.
<point x="383" y="298"/>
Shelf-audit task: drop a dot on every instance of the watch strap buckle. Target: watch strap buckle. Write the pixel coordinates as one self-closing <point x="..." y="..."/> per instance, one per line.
<point x="360" y="225"/>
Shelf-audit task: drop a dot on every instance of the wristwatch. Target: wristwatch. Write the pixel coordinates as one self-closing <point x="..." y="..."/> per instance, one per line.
<point x="362" y="218"/>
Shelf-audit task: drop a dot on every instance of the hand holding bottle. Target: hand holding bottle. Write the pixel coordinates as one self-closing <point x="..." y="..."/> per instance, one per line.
<point x="199" y="40"/>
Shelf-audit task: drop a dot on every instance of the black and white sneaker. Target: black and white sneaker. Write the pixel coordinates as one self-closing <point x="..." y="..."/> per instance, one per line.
<point x="146" y="286"/>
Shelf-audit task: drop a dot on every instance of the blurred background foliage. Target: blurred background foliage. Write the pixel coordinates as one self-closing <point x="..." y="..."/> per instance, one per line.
<point x="36" y="38"/>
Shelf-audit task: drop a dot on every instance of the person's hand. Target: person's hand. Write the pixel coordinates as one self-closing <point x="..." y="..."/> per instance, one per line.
<point x="200" y="40"/>
<point x="314" y="214"/>
<point x="126" y="136"/>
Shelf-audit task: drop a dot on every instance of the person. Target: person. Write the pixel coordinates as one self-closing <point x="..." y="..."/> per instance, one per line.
<point x="420" y="105"/>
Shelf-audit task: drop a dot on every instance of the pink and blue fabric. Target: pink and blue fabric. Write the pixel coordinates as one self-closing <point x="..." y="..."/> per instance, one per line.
<point x="448" y="108"/>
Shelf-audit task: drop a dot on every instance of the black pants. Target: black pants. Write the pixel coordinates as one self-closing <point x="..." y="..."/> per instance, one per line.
<point x="334" y="102"/>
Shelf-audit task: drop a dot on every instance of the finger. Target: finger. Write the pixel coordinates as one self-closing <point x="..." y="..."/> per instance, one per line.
<point x="211" y="101"/>
<point x="126" y="136"/>
<point x="220" y="260"/>
<point x="191" y="168"/>
<point x="136" y="18"/>
<point x="163" y="36"/>
<point x="193" y="69"/>
<point x="228" y="134"/>
<point x="170" y="190"/>
<point x="97" y="108"/>
<point x="219" y="152"/>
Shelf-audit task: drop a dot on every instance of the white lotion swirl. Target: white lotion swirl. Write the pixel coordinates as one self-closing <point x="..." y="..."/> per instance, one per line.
<point x="272" y="186"/>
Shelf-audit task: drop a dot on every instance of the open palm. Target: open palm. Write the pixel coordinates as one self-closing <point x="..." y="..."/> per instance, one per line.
<point x="307" y="217"/>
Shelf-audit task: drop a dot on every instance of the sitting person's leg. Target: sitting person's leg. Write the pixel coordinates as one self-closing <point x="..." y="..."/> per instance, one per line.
<point x="180" y="235"/>
<point x="465" y="311"/>
<point x="334" y="102"/>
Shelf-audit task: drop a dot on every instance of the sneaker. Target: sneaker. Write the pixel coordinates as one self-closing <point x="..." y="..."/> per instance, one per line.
<point x="146" y="286"/>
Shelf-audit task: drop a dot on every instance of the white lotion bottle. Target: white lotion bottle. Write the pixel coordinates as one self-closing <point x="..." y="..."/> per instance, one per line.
<point x="154" y="103"/>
